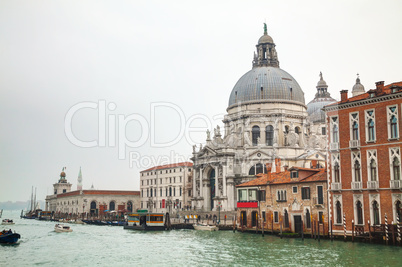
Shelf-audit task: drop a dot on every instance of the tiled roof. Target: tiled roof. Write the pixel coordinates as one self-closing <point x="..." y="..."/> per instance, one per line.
<point x="367" y="95"/>
<point x="316" y="175"/>
<point x="168" y="166"/>
<point x="98" y="192"/>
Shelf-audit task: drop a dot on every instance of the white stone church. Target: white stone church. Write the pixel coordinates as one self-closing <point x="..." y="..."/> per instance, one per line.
<point x="268" y="127"/>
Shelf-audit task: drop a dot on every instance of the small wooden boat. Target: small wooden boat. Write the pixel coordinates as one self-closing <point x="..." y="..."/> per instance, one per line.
<point x="60" y="228"/>
<point x="7" y="222"/>
<point x="8" y="237"/>
<point x="205" y="227"/>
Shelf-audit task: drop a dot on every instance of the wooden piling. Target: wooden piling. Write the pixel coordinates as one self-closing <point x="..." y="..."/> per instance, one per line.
<point x="393" y="233"/>
<point x="262" y="227"/>
<point x="332" y="236"/>
<point x="353" y="231"/>
<point x="386" y="229"/>
<point x="344" y="227"/>
<point x="368" y="222"/>
<point x="318" y="226"/>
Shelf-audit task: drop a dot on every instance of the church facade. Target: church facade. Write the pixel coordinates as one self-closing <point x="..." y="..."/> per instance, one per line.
<point x="267" y="128"/>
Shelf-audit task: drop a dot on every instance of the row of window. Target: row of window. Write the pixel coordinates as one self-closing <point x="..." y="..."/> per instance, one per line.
<point x="166" y="171"/>
<point x="375" y="218"/>
<point x="372" y="165"/>
<point x="169" y="191"/>
<point x="370" y="125"/>
<point x="153" y="205"/>
<point x="269" y="134"/>
<point x="168" y="180"/>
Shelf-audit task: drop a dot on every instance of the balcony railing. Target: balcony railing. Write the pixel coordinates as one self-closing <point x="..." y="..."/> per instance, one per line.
<point x="334" y="146"/>
<point x="354" y="143"/>
<point x="318" y="200"/>
<point x="357" y="185"/>
<point x="395" y="184"/>
<point x="281" y="200"/>
<point x="336" y="186"/>
<point x="372" y="185"/>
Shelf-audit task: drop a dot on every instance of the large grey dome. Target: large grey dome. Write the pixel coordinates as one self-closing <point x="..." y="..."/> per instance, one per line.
<point x="266" y="84"/>
<point x="314" y="108"/>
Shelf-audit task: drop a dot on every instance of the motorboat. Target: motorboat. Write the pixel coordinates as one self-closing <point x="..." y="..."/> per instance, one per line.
<point x="147" y="221"/>
<point x="7" y="222"/>
<point x="205" y="227"/>
<point x="8" y="237"/>
<point x="61" y="228"/>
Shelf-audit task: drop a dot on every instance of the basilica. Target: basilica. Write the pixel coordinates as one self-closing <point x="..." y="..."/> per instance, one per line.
<point x="267" y="128"/>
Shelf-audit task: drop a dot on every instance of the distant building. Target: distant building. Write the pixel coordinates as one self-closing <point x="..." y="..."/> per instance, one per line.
<point x="166" y="188"/>
<point x="365" y="156"/>
<point x="294" y="198"/>
<point x="92" y="202"/>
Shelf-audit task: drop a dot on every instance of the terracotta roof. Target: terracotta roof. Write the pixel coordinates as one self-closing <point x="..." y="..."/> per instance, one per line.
<point x="99" y="192"/>
<point x="313" y="175"/>
<point x="367" y="94"/>
<point x="168" y="166"/>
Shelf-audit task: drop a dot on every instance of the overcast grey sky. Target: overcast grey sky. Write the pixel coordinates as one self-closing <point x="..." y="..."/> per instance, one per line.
<point x="57" y="54"/>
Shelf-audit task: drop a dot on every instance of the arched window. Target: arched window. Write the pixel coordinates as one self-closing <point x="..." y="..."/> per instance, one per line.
<point x="170" y="191"/>
<point x="258" y="168"/>
<point x="130" y="206"/>
<point x="376" y="213"/>
<point x="357" y="171"/>
<point x="151" y="192"/>
<point x="255" y="135"/>
<point x="396" y="169"/>
<point x="394" y="127"/>
<point x="359" y="212"/>
<point x="336" y="173"/>
<point x="355" y="128"/>
<point x="398" y="209"/>
<point x="338" y="212"/>
<point x="279" y="195"/>
<point x="269" y="135"/>
<point x="335" y="136"/>
<point x="308" y="219"/>
<point x="93" y="205"/>
<point x="282" y="198"/>
<point x="373" y="170"/>
<point x="371" y="132"/>
<point x="111" y="205"/>
<point x="286" y="219"/>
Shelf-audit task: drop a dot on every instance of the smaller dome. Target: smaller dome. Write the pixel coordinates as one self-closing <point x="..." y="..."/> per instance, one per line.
<point x="265" y="39"/>
<point x="358" y="88"/>
<point x="321" y="82"/>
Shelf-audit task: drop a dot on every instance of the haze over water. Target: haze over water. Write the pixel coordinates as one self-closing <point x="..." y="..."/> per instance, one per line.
<point x="90" y="245"/>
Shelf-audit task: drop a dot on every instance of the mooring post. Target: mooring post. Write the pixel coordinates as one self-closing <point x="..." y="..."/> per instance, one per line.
<point x="344" y="227"/>
<point x="386" y="229"/>
<point x="399" y="230"/>
<point x="332" y="237"/>
<point x="256" y="223"/>
<point x="280" y="222"/>
<point x="272" y="223"/>
<point x="353" y="231"/>
<point x="302" y="228"/>
<point x="393" y="233"/>
<point x="368" y="222"/>
<point x="262" y="227"/>
<point x="318" y="225"/>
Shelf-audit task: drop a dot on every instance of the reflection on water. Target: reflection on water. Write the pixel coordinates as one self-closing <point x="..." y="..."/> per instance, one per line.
<point x="107" y="245"/>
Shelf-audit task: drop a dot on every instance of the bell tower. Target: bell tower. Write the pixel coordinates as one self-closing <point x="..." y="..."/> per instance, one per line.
<point x="79" y="184"/>
<point x="266" y="55"/>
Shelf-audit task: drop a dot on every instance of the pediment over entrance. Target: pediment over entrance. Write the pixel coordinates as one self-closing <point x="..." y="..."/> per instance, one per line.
<point x="259" y="153"/>
<point x="207" y="152"/>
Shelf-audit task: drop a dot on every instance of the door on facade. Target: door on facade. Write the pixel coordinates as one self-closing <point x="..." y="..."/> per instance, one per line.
<point x="254" y="215"/>
<point x="243" y="218"/>
<point x="298" y="223"/>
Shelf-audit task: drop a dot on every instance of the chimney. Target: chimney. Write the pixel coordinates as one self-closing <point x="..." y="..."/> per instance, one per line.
<point x="380" y="87"/>
<point x="344" y="95"/>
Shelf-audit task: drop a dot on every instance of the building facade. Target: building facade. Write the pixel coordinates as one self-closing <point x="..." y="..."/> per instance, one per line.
<point x="166" y="188"/>
<point x="95" y="203"/>
<point x="292" y="200"/>
<point x="365" y="157"/>
<point x="266" y="121"/>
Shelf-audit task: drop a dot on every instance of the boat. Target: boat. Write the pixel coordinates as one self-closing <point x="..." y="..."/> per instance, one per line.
<point x="61" y="228"/>
<point x="7" y="222"/>
<point x="8" y="237"/>
<point x="147" y="221"/>
<point x="44" y="215"/>
<point x="205" y="227"/>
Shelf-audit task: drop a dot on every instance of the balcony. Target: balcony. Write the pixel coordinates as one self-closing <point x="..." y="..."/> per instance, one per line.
<point x="372" y="185"/>
<point x="357" y="185"/>
<point x="281" y="200"/>
<point x="318" y="201"/>
<point x="354" y="144"/>
<point x="395" y="184"/>
<point x="336" y="186"/>
<point x="334" y="146"/>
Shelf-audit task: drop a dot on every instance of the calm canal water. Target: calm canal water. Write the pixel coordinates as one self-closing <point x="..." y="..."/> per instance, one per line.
<point x="90" y="245"/>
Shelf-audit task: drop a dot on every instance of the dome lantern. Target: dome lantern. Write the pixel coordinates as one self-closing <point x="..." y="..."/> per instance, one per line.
<point x="358" y="88"/>
<point x="266" y="54"/>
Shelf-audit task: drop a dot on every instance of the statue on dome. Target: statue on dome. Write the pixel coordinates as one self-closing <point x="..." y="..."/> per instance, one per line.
<point x="265" y="28"/>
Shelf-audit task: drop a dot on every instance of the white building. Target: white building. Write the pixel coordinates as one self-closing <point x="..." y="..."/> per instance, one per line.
<point x="92" y="202"/>
<point x="166" y="188"/>
<point x="266" y="128"/>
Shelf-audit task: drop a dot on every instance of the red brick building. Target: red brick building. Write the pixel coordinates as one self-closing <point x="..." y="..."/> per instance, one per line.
<point x="295" y="199"/>
<point x="364" y="161"/>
